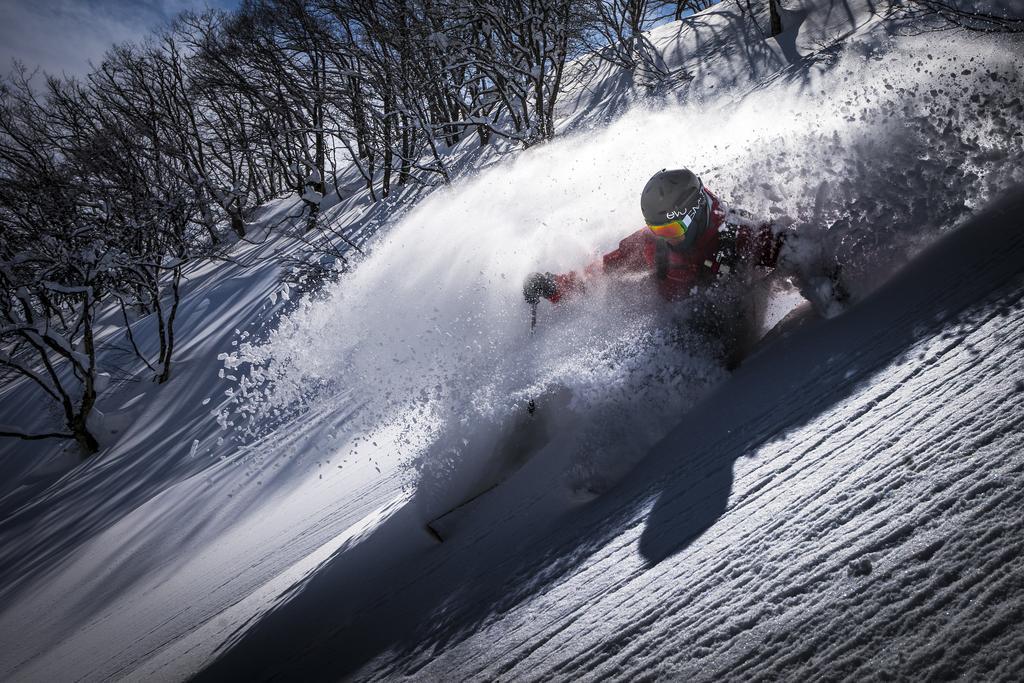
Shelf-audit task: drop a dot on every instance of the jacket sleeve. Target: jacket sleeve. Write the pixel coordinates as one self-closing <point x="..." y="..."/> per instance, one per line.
<point x="629" y="256"/>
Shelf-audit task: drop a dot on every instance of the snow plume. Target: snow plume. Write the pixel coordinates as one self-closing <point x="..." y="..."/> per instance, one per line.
<point x="869" y="152"/>
<point x="899" y="143"/>
<point x="431" y="335"/>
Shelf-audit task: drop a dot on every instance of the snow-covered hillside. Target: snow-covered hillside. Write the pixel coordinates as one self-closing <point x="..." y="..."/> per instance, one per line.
<point x="845" y="504"/>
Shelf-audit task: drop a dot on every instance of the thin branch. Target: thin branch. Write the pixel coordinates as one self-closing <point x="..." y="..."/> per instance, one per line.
<point x="35" y="437"/>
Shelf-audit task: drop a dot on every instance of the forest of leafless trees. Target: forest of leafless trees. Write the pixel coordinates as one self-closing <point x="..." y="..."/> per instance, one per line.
<point x="111" y="183"/>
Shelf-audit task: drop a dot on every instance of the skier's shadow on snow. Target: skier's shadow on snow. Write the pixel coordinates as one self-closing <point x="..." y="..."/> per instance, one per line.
<point x="680" y="517"/>
<point x="690" y="473"/>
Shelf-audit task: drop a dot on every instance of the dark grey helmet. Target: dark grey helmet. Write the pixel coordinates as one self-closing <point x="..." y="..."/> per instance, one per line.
<point x="676" y="195"/>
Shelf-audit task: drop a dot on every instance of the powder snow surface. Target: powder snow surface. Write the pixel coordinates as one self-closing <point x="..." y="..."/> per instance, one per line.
<point x="862" y="518"/>
<point x="856" y="513"/>
<point x="847" y="503"/>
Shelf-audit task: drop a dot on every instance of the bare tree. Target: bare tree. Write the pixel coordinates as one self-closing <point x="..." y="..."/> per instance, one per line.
<point x="53" y="264"/>
<point x="618" y="31"/>
<point x="678" y="9"/>
<point x="110" y="185"/>
<point x="951" y="13"/>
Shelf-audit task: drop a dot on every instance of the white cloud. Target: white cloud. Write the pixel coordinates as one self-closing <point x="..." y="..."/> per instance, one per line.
<point x="63" y="36"/>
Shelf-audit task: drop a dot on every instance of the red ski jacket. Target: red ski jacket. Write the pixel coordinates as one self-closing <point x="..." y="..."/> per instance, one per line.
<point x="730" y="240"/>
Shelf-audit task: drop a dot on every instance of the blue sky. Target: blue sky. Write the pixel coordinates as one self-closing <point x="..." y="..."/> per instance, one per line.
<point x="63" y="36"/>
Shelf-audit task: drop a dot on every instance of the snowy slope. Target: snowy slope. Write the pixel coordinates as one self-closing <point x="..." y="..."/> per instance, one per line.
<point x="857" y="514"/>
<point x="844" y="500"/>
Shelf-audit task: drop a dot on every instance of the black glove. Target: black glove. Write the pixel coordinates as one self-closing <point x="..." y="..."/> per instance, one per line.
<point x="539" y="285"/>
<point x="728" y="253"/>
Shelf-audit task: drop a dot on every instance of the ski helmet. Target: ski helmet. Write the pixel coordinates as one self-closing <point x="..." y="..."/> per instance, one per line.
<point x="675" y="205"/>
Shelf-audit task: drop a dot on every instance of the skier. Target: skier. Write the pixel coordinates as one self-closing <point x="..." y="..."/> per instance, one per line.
<point x="693" y="241"/>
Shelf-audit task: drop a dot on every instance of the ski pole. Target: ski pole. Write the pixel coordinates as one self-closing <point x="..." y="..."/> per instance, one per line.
<point x="532" y="406"/>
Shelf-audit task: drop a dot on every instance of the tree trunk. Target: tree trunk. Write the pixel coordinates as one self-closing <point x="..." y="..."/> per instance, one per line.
<point x="176" y="292"/>
<point x="86" y="441"/>
<point x="773" y="6"/>
<point x="78" y="426"/>
<point x="403" y="173"/>
<point x="237" y="224"/>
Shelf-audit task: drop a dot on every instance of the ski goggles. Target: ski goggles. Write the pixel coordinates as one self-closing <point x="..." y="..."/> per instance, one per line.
<point x="676" y="229"/>
<point x="670" y="230"/>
